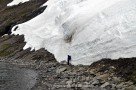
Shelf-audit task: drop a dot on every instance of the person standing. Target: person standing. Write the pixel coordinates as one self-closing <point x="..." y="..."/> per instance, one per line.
<point x="69" y="60"/>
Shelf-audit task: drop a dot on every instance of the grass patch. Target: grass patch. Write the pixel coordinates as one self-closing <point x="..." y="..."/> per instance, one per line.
<point x="5" y="46"/>
<point x="4" y="51"/>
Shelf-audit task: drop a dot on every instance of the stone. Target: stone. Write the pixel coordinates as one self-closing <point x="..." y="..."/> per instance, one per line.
<point x="130" y="88"/>
<point x="116" y="79"/>
<point x="104" y="76"/>
<point x="63" y="62"/>
<point x="69" y="83"/>
<point x="120" y="86"/>
<point x="105" y="84"/>
<point x="95" y="82"/>
<point x="62" y="69"/>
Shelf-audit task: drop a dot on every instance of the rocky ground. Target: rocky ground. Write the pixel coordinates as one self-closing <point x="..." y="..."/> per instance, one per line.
<point x="38" y="70"/>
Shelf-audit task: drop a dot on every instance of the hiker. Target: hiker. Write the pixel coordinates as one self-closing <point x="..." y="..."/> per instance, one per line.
<point x="68" y="59"/>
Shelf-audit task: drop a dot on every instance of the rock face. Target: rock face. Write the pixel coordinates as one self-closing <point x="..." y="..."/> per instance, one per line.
<point x="18" y="14"/>
<point x="44" y="71"/>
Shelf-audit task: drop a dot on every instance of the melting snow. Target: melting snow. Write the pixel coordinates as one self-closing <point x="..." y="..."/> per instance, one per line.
<point x="88" y="30"/>
<point x="16" y="2"/>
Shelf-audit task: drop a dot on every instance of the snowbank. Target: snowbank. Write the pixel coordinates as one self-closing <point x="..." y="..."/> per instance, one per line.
<point x="16" y="2"/>
<point x="88" y="30"/>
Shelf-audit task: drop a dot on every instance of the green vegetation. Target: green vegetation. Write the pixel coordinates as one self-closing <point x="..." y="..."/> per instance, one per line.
<point x="4" y="51"/>
<point x="5" y="46"/>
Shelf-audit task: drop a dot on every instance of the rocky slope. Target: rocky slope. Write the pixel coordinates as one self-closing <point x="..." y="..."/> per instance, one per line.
<point x="18" y="14"/>
<point x="102" y="75"/>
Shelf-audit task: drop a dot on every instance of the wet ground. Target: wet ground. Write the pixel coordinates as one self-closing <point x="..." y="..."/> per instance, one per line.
<point x="15" y="78"/>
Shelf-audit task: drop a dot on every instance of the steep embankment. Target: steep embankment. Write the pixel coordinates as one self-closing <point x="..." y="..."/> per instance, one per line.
<point x="102" y="75"/>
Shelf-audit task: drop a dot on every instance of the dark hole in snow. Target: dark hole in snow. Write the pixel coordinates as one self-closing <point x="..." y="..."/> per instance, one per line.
<point x="15" y="28"/>
<point x="68" y="38"/>
<point x="8" y="28"/>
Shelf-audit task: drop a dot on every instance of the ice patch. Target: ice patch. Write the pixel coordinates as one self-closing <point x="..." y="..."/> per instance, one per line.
<point x="16" y="2"/>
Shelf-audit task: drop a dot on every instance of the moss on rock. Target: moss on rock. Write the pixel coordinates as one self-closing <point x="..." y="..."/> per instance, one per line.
<point x="4" y="51"/>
